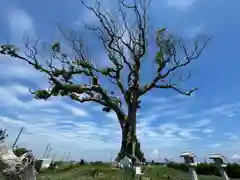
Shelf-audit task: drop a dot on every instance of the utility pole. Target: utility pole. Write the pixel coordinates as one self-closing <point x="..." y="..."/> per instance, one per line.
<point x="54" y="156"/>
<point x="46" y="150"/>
<point x="110" y="157"/>
<point x="158" y="157"/>
<point x="63" y="157"/>
<point x="49" y="150"/>
<point x="68" y="156"/>
<point x="15" y="142"/>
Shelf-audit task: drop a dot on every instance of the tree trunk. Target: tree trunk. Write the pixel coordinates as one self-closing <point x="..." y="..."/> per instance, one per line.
<point x="130" y="144"/>
<point x="17" y="168"/>
<point x="126" y="143"/>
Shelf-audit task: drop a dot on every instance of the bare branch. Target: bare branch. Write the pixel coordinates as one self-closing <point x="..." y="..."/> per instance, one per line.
<point x="114" y="41"/>
<point x="173" y="86"/>
<point x="168" y="63"/>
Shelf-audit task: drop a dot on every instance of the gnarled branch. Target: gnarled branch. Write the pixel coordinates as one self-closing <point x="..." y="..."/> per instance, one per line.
<point x="61" y="80"/>
<point x="168" y="63"/>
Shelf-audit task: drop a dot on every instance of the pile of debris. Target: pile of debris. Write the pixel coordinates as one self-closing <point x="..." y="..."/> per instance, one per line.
<point x="17" y="168"/>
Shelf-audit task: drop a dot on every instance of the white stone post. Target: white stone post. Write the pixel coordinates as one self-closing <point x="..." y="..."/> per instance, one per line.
<point x="218" y="161"/>
<point x="223" y="173"/>
<point x="193" y="172"/>
<point x="189" y="160"/>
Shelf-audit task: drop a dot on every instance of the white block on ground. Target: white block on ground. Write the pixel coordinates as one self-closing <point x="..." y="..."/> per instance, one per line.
<point x="138" y="171"/>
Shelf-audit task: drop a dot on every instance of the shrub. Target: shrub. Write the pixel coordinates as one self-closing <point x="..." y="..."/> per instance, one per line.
<point x="38" y="164"/>
<point x="233" y="170"/>
<point x="82" y="162"/>
<point x="52" y="166"/>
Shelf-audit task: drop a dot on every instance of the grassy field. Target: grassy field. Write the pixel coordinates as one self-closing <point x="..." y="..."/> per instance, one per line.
<point x="90" y="172"/>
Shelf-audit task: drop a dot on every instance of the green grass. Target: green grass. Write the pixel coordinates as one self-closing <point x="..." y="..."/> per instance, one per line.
<point x="98" y="172"/>
<point x="85" y="172"/>
<point x="162" y="173"/>
<point x="103" y="172"/>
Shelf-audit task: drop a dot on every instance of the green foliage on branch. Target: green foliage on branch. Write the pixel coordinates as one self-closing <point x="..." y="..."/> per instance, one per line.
<point x="3" y="135"/>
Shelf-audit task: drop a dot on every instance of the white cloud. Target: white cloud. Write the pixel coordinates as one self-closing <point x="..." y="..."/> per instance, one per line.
<point x="19" y="70"/>
<point x="215" y="145"/>
<point x="58" y="119"/>
<point x="11" y="121"/>
<point x="86" y="18"/>
<point x="186" y="116"/>
<point x="194" y="31"/>
<point x="156" y="151"/>
<point x="224" y="110"/>
<point x="235" y="157"/>
<point x="180" y="4"/>
<point x="20" y="24"/>
<point x="232" y="136"/>
<point x="111" y="115"/>
<point x="10" y="98"/>
<point x="202" y="123"/>
<point x="76" y="111"/>
<point x="208" y="130"/>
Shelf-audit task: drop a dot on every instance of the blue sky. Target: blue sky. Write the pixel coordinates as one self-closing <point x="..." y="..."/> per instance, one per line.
<point x="168" y="123"/>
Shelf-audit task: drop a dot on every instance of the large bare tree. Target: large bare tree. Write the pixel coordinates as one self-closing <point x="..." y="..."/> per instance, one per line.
<point x="126" y="45"/>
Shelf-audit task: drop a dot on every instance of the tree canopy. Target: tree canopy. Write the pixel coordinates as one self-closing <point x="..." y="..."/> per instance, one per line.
<point x="126" y="56"/>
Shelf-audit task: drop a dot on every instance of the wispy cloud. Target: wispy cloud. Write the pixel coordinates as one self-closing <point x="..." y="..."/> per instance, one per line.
<point x="232" y="136"/>
<point x="228" y="110"/>
<point x="193" y="32"/>
<point x="216" y="145"/>
<point x="77" y="111"/>
<point x="202" y="123"/>
<point x="236" y="157"/>
<point x="167" y="123"/>
<point x="20" y="24"/>
<point x="208" y="130"/>
<point x="180" y="4"/>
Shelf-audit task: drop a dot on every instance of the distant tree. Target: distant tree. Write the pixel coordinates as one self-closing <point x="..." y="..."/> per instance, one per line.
<point x="38" y="164"/>
<point x="82" y="162"/>
<point x="3" y="135"/>
<point x="126" y="43"/>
